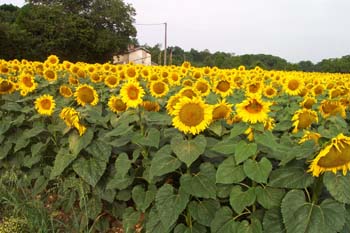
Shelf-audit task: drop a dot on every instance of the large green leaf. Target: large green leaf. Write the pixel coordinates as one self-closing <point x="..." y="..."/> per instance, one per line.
<point x="130" y="219"/>
<point x="338" y="186"/>
<point x="273" y="222"/>
<point x="77" y="143"/>
<point x="154" y="223"/>
<point x="151" y="138"/>
<point x="122" y="165"/>
<point x="244" y="151"/>
<point x="90" y="170"/>
<point x="100" y="150"/>
<point x="201" y="184"/>
<point x="120" y="130"/>
<point x="163" y="162"/>
<point x="170" y="205"/>
<point x="269" y="197"/>
<point x="228" y="172"/>
<point x="301" y="216"/>
<point x="203" y="211"/>
<point x="188" y="150"/>
<point x="238" y="129"/>
<point x="240" y="200"/>
<point x="62" y="160"/>
<point x="224" y="222"/>
<point x="257" y="171"/>
<point x="5" y="149"/>
<point x="226" y="147"/>
<point x="195" y="228"/>
<point x="254" y="227"/>
<point x="143" y="198"/>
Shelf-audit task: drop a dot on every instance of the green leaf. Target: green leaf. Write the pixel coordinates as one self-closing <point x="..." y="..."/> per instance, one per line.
<point x="151" y="138"/>
<point x="273" y="222"/>
<point x="163" y="162"/>
<point x="142" y="198"/>
<point x="188" y="150"/>
<point x="254" y="227"/>
<point x="62" y="160"/>
<point x="203" y="211"/>
<point x="301" y="216"/>
<point x="120" y="130"/>
<point x="170" y="205"/>
<point x="240" y="200"/>
<point x="258" y="171"/>
<point x="157" y="118"/>
<point x="224" y="222"/>
<point x="338" y="186"/>
<point x="39" y="185"/>
<point x="5" y="149"/>
<point x="195" y="228"/>
<point x="77" y="143"/>
<point x="100" y="150"/>
<point x="243" y="151"/>
<point x="119" y="183"/>
<point x="238" y="129"/>
<point x="122" y="165"/>
<point x="266" y="139"/>
<point x="226" y="147"/>
<point x="269" y="197"/>
<point x="292" y="176"/>
<point x="94" y="207"/>
<point x="201" y="184"/>
<point x="154" y="223"/>
<point x="228" y="172"/>
<point x="130" y="219"/>
<point x="90" y="170"/>
<point x="21" y="143"/>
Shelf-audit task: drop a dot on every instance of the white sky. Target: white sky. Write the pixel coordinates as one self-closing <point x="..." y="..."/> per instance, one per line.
<point x="292" y="29"/>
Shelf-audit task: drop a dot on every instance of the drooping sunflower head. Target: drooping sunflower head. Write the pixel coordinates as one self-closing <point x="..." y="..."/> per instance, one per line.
<point x="45" y="105"/>
<point x="71" y="117"/>
<point x="308" y="135"/>
<point x="65" y="91"/>
<point x="116" y="104"/>
<point x="111" y="81"/>
<point x="6" y="86"/>
<point x="132" y="93"/>
<point x="86" y="94"/>
<point x="159" y="89"/>
<point x="253" y="110"/>
<point x="332" y="108"/>
<point x="202" y="86"/>
<point x="150" y="106"/>
<point x="192" y="115"/>
<point x="293" y="85"/>
<point x="334" y="157"/>
<point x="222" y="110"/>
<point x="303" y="119"/>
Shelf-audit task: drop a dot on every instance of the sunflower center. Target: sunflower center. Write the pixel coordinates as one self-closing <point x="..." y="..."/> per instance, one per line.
<point x="254" y="107"/>
<point x="5" y="86"/>
<point x="45" y="104"/>
<point x="189" y="93"/>
<point x="112" y="80"/>
<point x="197" y="75"/>
<point x="191" y="114"/>
<point x="254" y="88"/>
<point x="202" y="87"/>
<point x="318" y="90"/>
<point x="336" y="158"/>
<point x="119" y="105"/>
<point x="28" y="81"/>
<point x="329" y="107"/>
<point x="305" y="120"/>
<point x="174" y="77"/>
<point x="293" y="84"/>
<point x="308" y="103"/>
<point x="86" y="95"/>
<point x="131" y="72"/>
<point x="270" y="91"/>
<point x="220" y="112"/>
<point x="159" y="87"/>
<point x="223" y="86"/>
<point x="133" y="93"/>
<point x="49" y="74"/>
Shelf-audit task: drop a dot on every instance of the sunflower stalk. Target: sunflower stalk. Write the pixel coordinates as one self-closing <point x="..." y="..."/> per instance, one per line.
<point x="317" y="189"/>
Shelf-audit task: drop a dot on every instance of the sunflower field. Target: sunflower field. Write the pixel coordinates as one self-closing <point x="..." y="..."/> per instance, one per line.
<point x="161" y="149"/>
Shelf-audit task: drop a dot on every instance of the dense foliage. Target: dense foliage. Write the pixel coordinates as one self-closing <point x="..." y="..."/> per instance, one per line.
<point x="88" y="31"/>
<point x="172" y="149"/>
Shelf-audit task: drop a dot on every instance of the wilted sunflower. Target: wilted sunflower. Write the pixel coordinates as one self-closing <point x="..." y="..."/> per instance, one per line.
<point x="116" y="104"/>
<point x="332" y="108"/>
<point x="86" y="94"/>
<point x="71" y="118"/>
<point x="192" y="115"/>
<point x="308" y="135"/>
<point x="111" y="81"/>
<point x="150" y="106"/>
<point x="159" y="89"/>
<point x="253" y="110"/>
<point x="132" y="94"/>
<point x="45" y="105"/>
<point x="65" y="91"/>
<point x="334" y="157"/>
<point x="202" y="86"/>
<point x="303" y="118"/>
<point x="293" y="86"/>
<point x="6" y="86"/>
<point x="222" y="110"/>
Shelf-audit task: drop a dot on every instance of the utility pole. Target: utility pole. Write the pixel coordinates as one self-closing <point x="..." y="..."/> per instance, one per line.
<point x="165" y="42"/>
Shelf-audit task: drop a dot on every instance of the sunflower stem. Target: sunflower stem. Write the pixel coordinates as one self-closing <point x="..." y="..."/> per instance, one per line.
<point x="317" y="189"/>
<point x="142" y="128"/>
<point x="189" y="219"/>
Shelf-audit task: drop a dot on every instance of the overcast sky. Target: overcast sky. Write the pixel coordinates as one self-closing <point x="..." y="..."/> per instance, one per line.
<point x="292" y="29"/>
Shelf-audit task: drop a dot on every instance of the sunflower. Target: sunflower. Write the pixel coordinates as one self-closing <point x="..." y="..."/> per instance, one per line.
<point x="293" y="86"/>
<point x="175" y="78"/>
<point x="192" y="115"/>
<point x="253" y="110"/>
<point x="334" y="93"/>
<point x="172" y="101"/>
<point x="159" y="89"/>
<point x="303" y="118"/>
<point x="86" y="94"/>
<point x="6" y="86"/>
<point x="111" y="81"/>
<point x="187" y="83"/>
<point x="332" y="108"/>
<point x="223" y="87"/>
<point x="222" y="110"/>
<point x="196" y="74"/>
<point x="131" y="72"/>
<point x="150" y="106"/>
<point x="65" y="91"/>
<point x="116" y="104"/>
<point x="270" y="92"/>
<point x="45" y="105"/>
<point x="71" y="118"/>
<point x="308" y="135"/>
<point x="188" y="92"/>
<point x="27" y="83"/>
<point x="318" y="89"/>
<point x="95" y="77"/>
<point x="132" y="93"/>
<point x="50" y="75"/>
<point x="254" y="88"/>
<point x="73" y="81"/>
<point x="52" y="60"/>
<point x="334" y="157"/>
<point x="202" y="86"/>
<point x="308" y="102"/>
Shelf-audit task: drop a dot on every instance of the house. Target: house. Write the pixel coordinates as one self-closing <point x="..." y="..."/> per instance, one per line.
<point x="138" y="55"/>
